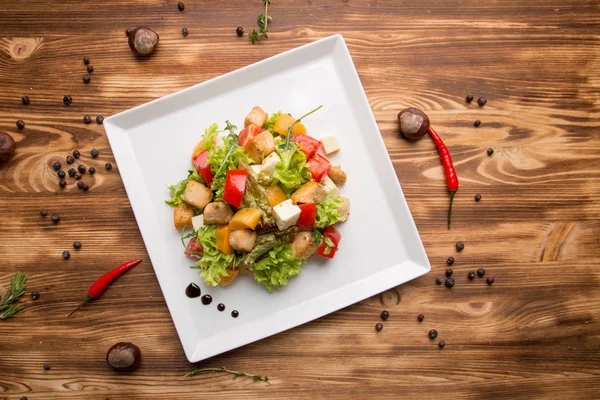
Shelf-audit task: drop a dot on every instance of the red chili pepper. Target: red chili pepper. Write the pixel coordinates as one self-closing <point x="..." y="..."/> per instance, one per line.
<point x="449" y="171"/>
<point x="100" y="286"/>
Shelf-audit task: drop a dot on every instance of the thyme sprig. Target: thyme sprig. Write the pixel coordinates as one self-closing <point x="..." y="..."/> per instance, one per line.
<point x="263" y="25"/>
<point x="236" y="374"/>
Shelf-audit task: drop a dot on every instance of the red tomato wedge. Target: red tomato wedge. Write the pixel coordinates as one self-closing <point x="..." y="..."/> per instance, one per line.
<point x="247" y="134"/>
<point x="308" y="145"/>
<point x="201" y="163"/>
<point x="318" y="166"/>
<point x="330" y="234"/>
<point x="308" y="216"/>
<point x="193" y="248"/>
<point x="235" y="185"/>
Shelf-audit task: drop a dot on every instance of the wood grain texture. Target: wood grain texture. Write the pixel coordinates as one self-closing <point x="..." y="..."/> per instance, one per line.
<point x="534" y="334"/>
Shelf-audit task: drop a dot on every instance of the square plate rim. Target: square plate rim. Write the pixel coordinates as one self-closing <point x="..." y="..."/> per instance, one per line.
<point x="361" y="289"/>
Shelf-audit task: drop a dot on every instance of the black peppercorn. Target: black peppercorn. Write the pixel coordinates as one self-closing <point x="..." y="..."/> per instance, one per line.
<point x="56" y="165"/>
<point x="67" y="100"/>
<point x="80" y="184"/>
<point x="86" y="187"/>
<point x="66" y="254"/>
<point x="92" y="170"/>
<point x="47" y="366"/>
<point x="62" y="183"/>
<point x="87" y="119"/>
<point x="94" y="153"/>
<point x="433" y="334"/>
<point x="86" y="60"/>
<point x="55" y="218"/>
<point x="490" y="151"/>
<point x="90" y="69"/>
<point x="480" y="272"/>
<point x="449" y="282"/>
<point x="72" y="172"/>
<point x="70" y="159"/>
<point x="43" y="212"/>
<point x="449" y="272"/>
<point x="77" y="245"/>
<point x="420" y="317"/>
<point x="86" y="78"/>
<point x="476" y="123"/>
<point x="239" y="31"/>
<point x="490" y="280"/>
<point x="471" y="275"/>
<point x="184" y="31"/>
<point x="439" y="280"/>
<point x="469" y="98"/>
<point x="441" y="344"/>
<point x="61" y="174"/>
<point x="108" y="166"/>
<point x="35" y="295"/>
<point x="379" y="326"/>
<point x="25" y="100"/>
<point x="76" y="154"/>
<point x="221" y="307"/>
<point x="99" y="119"/>
<point x="477" y="197"/>
<point x="20" y="124"/>
<point x="481" y="101"/>
<point x="235" y="313"/>
<point x="128" y="32"/>
<point x="180" y="6"/>
<point x="460" y="246"/>
<point x="450" y="260"/>
<point x="385" y="315"/>
<point x="81" y="169"/>
<point x="77" y="176"/>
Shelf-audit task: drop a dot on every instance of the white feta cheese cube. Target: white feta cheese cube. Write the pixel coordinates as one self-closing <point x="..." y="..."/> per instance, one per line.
<point x="330" y="188"/>
<point x="330" y="144"/>
<point x="269" y="163"/>
<point x="286" y="214"/>
<point x="256" y="170"/>
<point x="198" y="222"/>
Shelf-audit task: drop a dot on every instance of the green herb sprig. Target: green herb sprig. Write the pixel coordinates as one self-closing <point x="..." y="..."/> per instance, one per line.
<point x="8" y="305"/>
<point x="290" y="133"/>
<point x="236" y="374"/>
<point x="263" y="25"/>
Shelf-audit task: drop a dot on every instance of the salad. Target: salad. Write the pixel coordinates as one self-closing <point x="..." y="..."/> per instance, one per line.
<point x="262" y="201"/>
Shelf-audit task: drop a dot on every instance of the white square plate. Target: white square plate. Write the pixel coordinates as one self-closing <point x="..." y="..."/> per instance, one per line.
<point x="380" y="246"/>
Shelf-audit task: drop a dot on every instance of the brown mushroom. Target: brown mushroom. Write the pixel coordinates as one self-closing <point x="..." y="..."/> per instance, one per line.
<point x="7" y="148"/>
<point x="124" y="356"/>
<point x="414" y="123"/>
<point x="143" y="41"/>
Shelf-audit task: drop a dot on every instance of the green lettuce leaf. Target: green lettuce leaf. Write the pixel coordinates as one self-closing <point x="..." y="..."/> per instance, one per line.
<point x="222" y="159"/>
<point x="270" y="123"/>
<point x="213" y="264"/>
<point x="210" y="136"/>
<point x="275" y="268"/>
<point x="327" y="212"/>
<point x="292" y="171"/>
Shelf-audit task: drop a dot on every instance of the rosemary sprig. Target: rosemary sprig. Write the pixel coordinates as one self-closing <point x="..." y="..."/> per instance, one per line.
<point x="263" y="25"/>
<point x="236" y="374"/>
<point x="8" y="305"/>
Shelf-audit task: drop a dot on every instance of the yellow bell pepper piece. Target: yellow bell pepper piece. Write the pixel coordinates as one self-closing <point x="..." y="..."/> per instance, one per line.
<point x="231" y="274"/>
<point x="198" y="149"/>
<point x="283" y="123"/>
<point x="275" y="195"/>
<point x="222" y="236"/>
<point x="246" y="218"/>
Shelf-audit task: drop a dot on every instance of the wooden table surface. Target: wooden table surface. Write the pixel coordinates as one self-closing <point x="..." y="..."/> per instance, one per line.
<point x="534" y="333"/>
